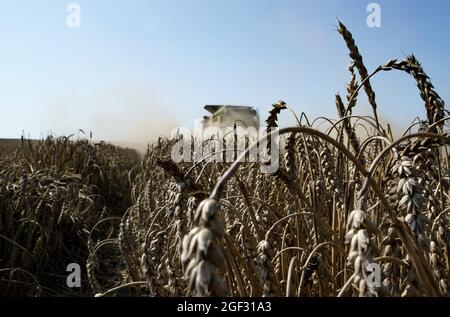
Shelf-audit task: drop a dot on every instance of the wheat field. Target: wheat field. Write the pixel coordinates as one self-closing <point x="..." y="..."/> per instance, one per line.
<point x="143" y="225"/>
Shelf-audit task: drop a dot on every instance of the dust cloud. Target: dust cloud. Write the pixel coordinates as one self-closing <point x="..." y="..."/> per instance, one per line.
<point x="127" y="114"/>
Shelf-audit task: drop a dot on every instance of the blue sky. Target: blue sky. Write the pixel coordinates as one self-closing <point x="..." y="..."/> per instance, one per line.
<point x="137" y="68"/>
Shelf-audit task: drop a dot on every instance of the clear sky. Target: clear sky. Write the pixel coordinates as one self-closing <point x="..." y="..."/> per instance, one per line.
<point x="136" y="68"/>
